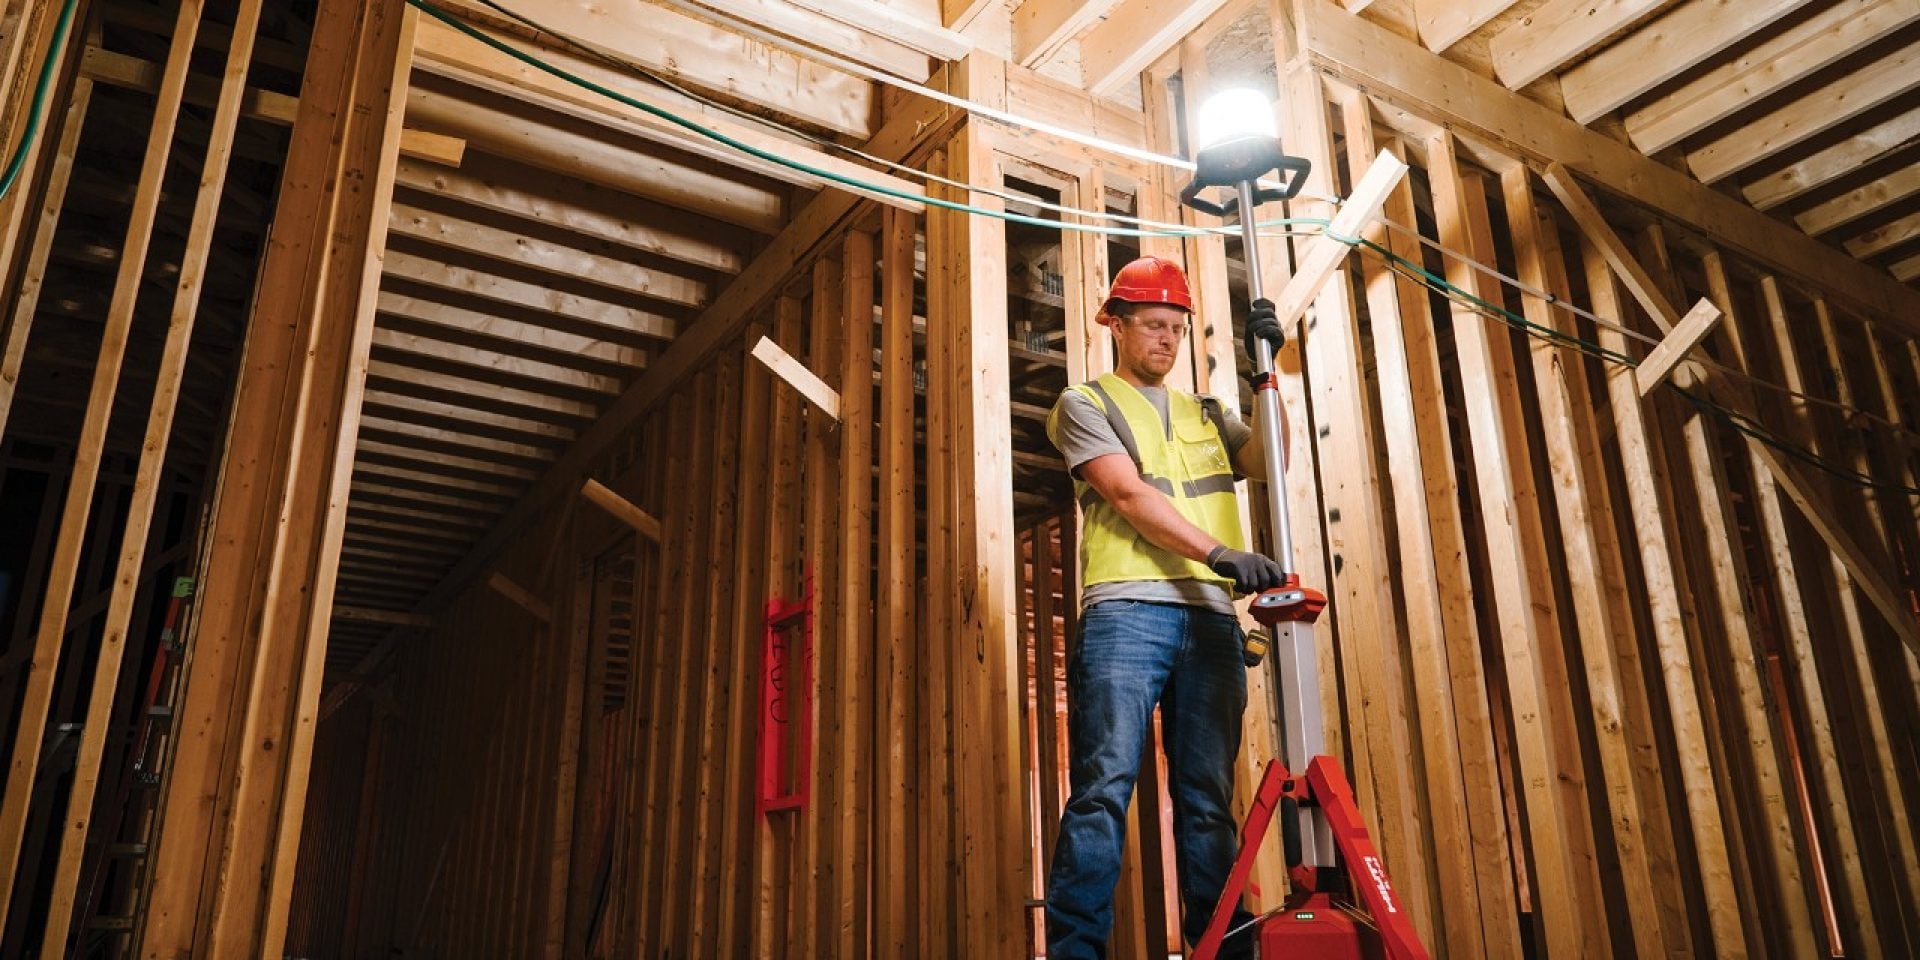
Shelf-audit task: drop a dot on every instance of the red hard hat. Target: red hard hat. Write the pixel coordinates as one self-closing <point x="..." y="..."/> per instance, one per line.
<point x="1152" y="280"/>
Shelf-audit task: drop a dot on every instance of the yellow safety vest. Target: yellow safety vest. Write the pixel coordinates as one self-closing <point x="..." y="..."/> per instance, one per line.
<point x="1186" y="459"/>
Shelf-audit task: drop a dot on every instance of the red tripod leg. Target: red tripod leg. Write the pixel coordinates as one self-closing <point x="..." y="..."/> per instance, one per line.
<point x="1368" y="876"/>
<point x="1265" y="801"/>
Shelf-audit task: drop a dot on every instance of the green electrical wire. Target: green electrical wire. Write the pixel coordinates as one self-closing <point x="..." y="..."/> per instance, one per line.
<point x="40" y="94"/>
<point x="1400" y="265"/>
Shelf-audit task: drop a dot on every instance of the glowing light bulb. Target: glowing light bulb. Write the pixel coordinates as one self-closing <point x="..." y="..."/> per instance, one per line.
<point x="1234" y="114"/>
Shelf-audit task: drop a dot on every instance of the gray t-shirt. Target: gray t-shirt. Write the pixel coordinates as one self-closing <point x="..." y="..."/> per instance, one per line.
<point x="1081" y="432"/>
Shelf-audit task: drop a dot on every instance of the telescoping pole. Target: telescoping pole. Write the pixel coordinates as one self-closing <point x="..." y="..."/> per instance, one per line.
<point x="1302" y="728"/>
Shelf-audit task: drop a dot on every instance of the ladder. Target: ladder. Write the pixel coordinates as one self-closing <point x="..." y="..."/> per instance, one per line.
<point x="116" y="868"/>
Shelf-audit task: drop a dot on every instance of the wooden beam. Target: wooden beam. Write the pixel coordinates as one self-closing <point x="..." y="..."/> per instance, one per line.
<point x="1906" y="270"/>
<point x="1860" y="201"/>
<point x="891" y="21"/>
<point x="1554" y="33"/>
<point x="603" y="316"/>
<point x="1691" y="329"/>
<point x="521" y="596"/>
<point x="413" y="380"/>
<point x="616" y="274"/>
<point x="1042" y="27"/>
<point x="1885" y="237"/>
<point x="797" y="376"/>
<point x="506" y="335"/>
<point x="460" y="419"/>
<point x="610" y="219"/>
<point x="1444" y="23"/>
<point x="738" y="68"/>
<point x="1395" y="71"/>
<point x="491" y="366"/>
<point x="1134" y="35"/>
<point x="1870" y="146"/>
<point x="391" y="618"/>
<point x="1325" y="254"/>
<point x="1806" y="47"/>
<point x="602" y="496"/>
<point x="1879" y="82"/>
<point x="620" y="162"/>
<point x="1681" y="39"/>
<point x="865" y="37"/>
<point x="448" y="53"/>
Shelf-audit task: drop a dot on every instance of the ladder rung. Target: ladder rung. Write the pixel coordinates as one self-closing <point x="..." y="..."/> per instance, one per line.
<point x="111" y="923"/>
<point x="127" y="850"/>
<point x="161" y="711"/>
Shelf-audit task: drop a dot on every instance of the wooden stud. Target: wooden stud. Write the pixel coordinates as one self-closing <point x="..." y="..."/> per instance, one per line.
<point x="1653" y="532"/>
<point x="1797" y="638"/>
<point x="750" y="580"/>
<point x="849" y="799"/>
<point x="701" y="915"/>
<point x="1743" y="655"/>
<point x="1902" y="858"/>
<point x="25" y="758"/>
<point x="33" y="273"/>
<point x="990" y="837"/>
<point x="1523" y="602"/>
<point x="1653" y="820"/>
<point x="1352" y="510"/>
<point x="896" y="790"/>
<point x="1469" y="833"/>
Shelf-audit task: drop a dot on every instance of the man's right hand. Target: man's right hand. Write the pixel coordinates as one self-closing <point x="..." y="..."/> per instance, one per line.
<point x="1250" y="572"/>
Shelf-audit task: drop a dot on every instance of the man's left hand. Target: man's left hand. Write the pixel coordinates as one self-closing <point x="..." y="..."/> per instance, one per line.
<point x="1264" y="324"/>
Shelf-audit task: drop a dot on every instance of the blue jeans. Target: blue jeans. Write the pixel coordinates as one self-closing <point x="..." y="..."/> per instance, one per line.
<point x="1131" y="656"/>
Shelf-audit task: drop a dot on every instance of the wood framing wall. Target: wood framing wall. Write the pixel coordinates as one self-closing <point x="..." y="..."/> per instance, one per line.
<point x="1611" y="676"/>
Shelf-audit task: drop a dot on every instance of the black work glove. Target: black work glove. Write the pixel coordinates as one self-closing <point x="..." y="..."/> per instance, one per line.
<point x="1264" y="324"/>
<point x="1250" y="572"/>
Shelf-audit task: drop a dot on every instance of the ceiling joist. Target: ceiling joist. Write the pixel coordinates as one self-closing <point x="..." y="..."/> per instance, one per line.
<point x="1558" y="31"/>
<point x="1681" y="39"/>
<point x="1807" y="117"/>
<point x="1793" y="55"/>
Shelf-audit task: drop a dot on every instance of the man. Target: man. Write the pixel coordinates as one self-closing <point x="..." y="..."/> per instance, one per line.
<point x="1161" y="550"/>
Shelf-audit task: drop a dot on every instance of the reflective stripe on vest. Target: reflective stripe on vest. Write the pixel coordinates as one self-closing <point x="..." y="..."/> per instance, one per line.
<point x="1184" y="457"/>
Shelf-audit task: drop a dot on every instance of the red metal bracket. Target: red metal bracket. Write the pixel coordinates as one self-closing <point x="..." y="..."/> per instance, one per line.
<point x="786" y="683"/>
